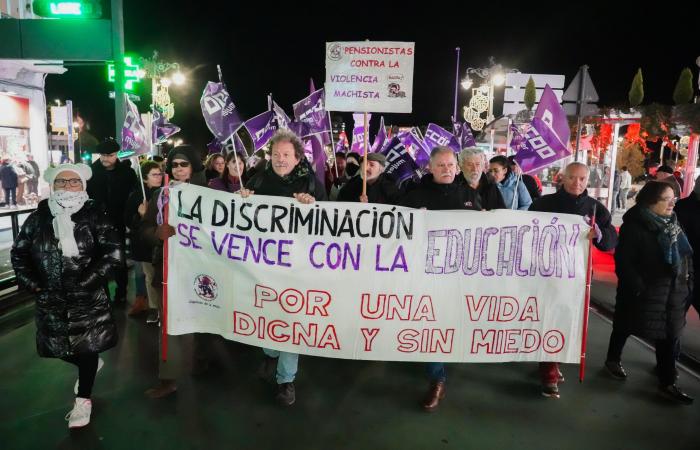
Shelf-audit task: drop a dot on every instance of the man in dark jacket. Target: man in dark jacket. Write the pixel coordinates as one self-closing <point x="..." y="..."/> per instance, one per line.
<point x="440" y="190"/>
<point x="110" y="186"/>
<point x="572" y="198"/>
<point x="381" y="188"/>
<point x="8" y="177"/>
<point x="688" y="213"/>
<point x="482" y="193"/>
<point x="287" y="174"/>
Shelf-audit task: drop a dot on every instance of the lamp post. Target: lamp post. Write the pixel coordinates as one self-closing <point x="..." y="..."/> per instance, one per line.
<point x="158" y="71"/>
<point x="483" y="96"/>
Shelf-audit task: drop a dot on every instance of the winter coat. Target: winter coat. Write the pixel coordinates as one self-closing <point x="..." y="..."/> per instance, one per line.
<point x="487" y="196"/>
<point x="533" y="185"/>
<point x="583" y="205"/>
<point x="383" y="190"/>
<point x="508" y="188"/>
<point x="650" y="297"/>
<point x="220" y="184"/>
<point x="140" y="250"/>
<point x="73" y="313"/>
<point x="433" y="196"/>
<point x="8" y="176"/>
<point x="267" y="182"/>
<point x="688" y="213"/>
<point x="110" y="189"/>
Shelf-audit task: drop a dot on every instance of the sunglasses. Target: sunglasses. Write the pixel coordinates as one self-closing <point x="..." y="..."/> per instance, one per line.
<point x="180" y="164"/>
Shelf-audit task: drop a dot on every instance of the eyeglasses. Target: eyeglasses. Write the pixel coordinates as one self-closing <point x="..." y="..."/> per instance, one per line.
<point x="180" y="164"/>
<point x="73" y="182"/>
<point x="669" y="199"/>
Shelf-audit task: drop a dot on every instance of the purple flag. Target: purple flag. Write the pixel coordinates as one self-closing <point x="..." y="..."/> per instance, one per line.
<point x="215" y="147"/>
<point x="342" y="145"/>
<point x="238" y="145"/>
<point x="533" y="152"/>
<point x="261" y="128"/>
<point x="420" y="152"/>
<point x="546" y="140"/>
<point x="463" y="133"/>
<point x="161" y="128"/>
<point x="399" y="163"/>
<point x="135" y="138"/>
<point x="219" y="111"/>
<point x="283" y="120"/>
<point x="437" y="136"/>
<point x="358" y="132"/>
<point x="380" y="138"/>
<point x="319" y="159"/>
<point x="550" y="118"/>
<point x="312" y="112"/>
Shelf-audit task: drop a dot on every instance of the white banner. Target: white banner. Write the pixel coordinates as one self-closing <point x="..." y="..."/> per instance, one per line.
<point x="369" y="76"/>
<point x="375" y="282"/>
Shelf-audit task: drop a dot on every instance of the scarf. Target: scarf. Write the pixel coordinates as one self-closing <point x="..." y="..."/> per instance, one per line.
<point x="673" y="241"/>
<point x="63" y="204"/>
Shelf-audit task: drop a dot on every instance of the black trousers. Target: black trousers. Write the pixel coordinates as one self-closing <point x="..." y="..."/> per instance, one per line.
<point x="87" y="368"/>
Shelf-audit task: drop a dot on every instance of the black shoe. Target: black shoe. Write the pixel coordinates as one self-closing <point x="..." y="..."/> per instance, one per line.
<point x="153" y="316"/>
<point x="616" y="370"/>
<point x="550" y="390"/>
<point x="673" y="392"/>
<point x="268" y="370"/>
<point x="286" y="394"/>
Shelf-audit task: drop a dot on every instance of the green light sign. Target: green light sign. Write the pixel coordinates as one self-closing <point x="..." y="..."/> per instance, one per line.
<point x="78" y="9"/>
<point x="132" y="73"/>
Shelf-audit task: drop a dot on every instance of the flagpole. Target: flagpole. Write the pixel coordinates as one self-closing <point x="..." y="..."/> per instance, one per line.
<point x="454" y="115"/>
<point x="164" y="319"/>
<point x="335" y="161"/>
<point x="138" y="171"/>
<point x="364" y="170"/>
<point x="587" y="300"/>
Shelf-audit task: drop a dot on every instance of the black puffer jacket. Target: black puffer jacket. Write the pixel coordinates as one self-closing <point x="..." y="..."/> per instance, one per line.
<point x="433" y="196"/>
<point x="73" y="314"/>
<point x="650" y="297"/>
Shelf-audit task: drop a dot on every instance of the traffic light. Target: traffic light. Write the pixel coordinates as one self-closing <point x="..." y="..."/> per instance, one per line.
<point x="76" y="9"/>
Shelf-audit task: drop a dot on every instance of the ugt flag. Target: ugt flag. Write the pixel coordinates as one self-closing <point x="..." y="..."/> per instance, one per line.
<point x="312" y="112"/>
<point x="161" y="128"/>
<point x="261" y="128"/>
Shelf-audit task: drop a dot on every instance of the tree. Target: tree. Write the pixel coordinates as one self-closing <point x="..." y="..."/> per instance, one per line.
<point x="530" y="94"/>
<point x="683" y="93"/>
<point x="636" y="93"/>
<point x="631" y="155"/>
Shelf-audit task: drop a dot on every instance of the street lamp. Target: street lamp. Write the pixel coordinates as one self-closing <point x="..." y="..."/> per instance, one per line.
<point x="483" y="96"/>
<point x="158" y="70"/>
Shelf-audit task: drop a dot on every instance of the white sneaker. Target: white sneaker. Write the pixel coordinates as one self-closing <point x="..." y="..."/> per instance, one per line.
<point x="80" y="415"/>
<point x="100" y="363"/>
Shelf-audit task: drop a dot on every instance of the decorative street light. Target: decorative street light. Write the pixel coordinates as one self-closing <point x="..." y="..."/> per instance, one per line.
<point x="158" y="71"/>
<point x="482" y="96"/>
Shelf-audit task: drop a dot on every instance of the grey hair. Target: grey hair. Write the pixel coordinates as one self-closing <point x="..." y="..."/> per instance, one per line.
<point x="438" y="150"/>
<point x="288" y="136"/>
<point x="468" y="152"/>
<point x="576" y="164"/>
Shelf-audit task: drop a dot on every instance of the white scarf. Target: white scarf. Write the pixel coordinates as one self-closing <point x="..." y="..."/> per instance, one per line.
<point x="63" y="204"/>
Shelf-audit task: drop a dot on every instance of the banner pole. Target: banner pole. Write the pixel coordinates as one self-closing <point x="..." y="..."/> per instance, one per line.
<point x="587" y="301"/>
<point x="335" y="164"/>
<point x="364" y="170"/>
<point x="164" y="319"/>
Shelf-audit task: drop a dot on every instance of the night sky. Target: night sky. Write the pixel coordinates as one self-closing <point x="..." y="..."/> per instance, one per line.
<point x="277" y="49"/>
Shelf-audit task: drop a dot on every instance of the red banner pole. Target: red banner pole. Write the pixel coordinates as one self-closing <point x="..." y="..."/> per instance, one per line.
<point x="587" y="302"/>
<point x="164" y="319"/>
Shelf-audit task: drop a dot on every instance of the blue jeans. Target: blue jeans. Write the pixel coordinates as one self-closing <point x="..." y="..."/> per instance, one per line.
<point x="436" y="372"/>
<point x="287" y="364"/>
<point x="139" y="279"/>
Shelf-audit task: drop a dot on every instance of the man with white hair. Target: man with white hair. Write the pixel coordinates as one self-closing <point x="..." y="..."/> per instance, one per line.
<point x="572" y="198"/>
<point x="482" y="193"/>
